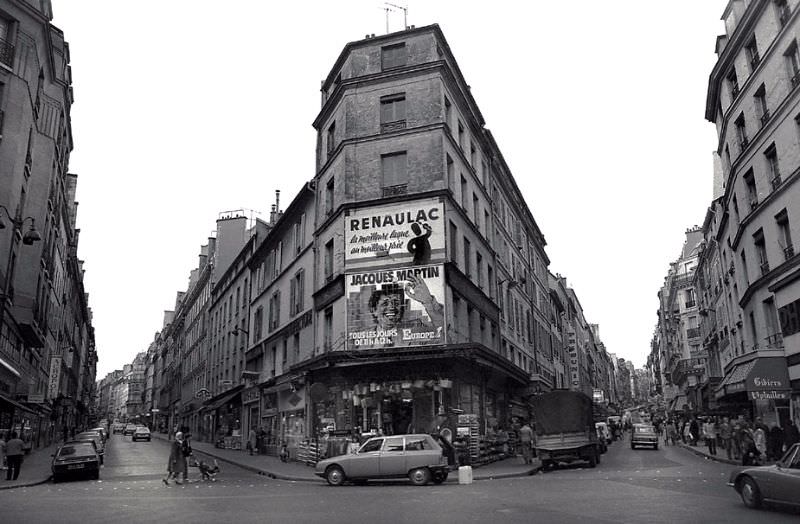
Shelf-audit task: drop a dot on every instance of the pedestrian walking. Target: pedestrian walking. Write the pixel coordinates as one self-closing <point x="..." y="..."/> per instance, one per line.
<point x="710" y="435"/>
<point x="2" y="450"/>
<point x="176" y="465"/>
<point x="726" y="433"/>
<point x="251" y="440"/>
<point x="775" y="442"/>
<point x="790" y="435"/>
<point x="760" y="441"/>
<point x="526" y="442"/>
<point x="672" y="434"/>
<point x="694" y="428"/>
<point x="748" y="447"/>
<point x="14" y="451"/>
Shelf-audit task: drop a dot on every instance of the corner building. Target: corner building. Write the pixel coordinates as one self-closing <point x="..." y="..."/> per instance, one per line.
<point x="754" y="100"/>
<point x="431" y="291"/>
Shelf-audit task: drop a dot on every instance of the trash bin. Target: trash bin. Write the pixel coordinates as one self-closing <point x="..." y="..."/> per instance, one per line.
<point x="465" y="475"/>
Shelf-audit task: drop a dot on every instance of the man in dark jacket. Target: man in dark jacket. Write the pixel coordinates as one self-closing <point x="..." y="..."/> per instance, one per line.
<point x="694" y="428"/>
<point x="775" y="442"/>
<point x="791" y="435"/>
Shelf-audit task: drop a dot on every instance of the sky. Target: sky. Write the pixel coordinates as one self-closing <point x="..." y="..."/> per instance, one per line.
<point x="188" y="108"/>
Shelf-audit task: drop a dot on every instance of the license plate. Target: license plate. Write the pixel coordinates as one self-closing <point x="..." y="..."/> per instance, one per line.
<point x="76" y="466"/>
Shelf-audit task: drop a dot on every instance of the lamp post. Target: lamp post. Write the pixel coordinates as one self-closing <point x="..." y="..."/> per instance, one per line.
<point x="28" y="238"/>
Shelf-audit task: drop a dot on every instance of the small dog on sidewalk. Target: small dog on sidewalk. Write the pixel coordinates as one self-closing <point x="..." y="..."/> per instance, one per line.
<point x="208" y="471"/>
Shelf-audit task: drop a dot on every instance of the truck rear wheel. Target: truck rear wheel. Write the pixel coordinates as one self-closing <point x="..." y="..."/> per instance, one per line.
<point x="593" y="461"/>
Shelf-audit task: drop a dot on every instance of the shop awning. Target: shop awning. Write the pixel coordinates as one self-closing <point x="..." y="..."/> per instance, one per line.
<point x="214" y="404"/>
<point x="16" y="404"/>
<point x="765" y="378"/>
<point x="677" y="403"/>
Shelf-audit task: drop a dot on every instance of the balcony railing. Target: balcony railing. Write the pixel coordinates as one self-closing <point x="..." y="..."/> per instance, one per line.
<point x="735" y="90"/>
<point x="788" y="252"/>
<point x="764" y="268"/>
<point x="6" y="53"/>
<point x="393" y="126"/>
<point x="765" y="118"/>
<point x="693" y="332"/>
<point x="774" y="341"/>
<point x="776" y="182"/>
<point x="754" y="59"/>
<point x="400" y="189"/>
<point x="795" y="79"/>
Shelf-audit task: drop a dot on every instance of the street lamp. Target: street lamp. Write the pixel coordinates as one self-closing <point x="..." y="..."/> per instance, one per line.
<point x="30" y="236"/>
<point x="235" y="331"/>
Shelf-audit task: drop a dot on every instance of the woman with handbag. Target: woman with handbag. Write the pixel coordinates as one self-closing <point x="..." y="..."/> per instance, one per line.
<point x="176" y="465"/>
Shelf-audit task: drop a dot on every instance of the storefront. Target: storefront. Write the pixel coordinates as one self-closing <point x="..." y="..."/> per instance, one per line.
<point x="757" y="388"/>
<point x="24" y="421"/>
<point x="225" y="411"/>
<point x="410" y="390"/>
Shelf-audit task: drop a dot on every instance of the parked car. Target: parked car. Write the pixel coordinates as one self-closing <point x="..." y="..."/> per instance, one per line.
<point x="118" y="427"/>
<point x="418" y="457"/>
<point x="644" y="435"/>
<point x="76" y="458"/>
<point x="603" y="432"/>
<point x="95" y="437"/>
<point x="102" y="431"/>
<point x="129" y="429"/>
<point x="141" y="433"/>
<point x="779" y="483"/>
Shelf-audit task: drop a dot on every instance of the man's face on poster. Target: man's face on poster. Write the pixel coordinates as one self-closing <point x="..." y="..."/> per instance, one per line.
<point x="389" y="309"/>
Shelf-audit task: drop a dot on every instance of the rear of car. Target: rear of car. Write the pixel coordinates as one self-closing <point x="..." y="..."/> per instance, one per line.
<point x="141" y="433"/>
<point x="95" y="437"/>
<point x="76" y="459"/>
<point x="118" y="427"/>
<point x="129" y="430"/>
<point x="644" y="435"/>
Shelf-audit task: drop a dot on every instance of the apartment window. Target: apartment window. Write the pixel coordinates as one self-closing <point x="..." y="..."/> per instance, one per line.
<point x="727" y="157"/>
<point x="331" y="137"/>
<point x="395" y="173"/>
<point x="448" y="110"/>
<point x="329" y="187"/>
<point x="774" y="337"/>
<point x="760" y="99"/>
<point x="486" y="224"/>
<point x="453" y="243"/>
<point x="460" y="135"/>
<point x="782" y="8"/>
<point x="472" y="156"/>
<point x="761" y="251"/>
<point x="741" y="132"/>
<point x="793" y="63"/>
<point x="736" y="210"/>
<point x="393" y="56"/>
<point x="467" y="256"/>
<point x="329" y="260"/>
<point x="296" y="348"/>
<point x="753" y="330"/>
<point x="456" y="309"/>
<point x="285" y="355"/>
<point x="773" y="169"/>
<point x="464" y="193"/>
<point x="784" y="234"/>
<point x="300" y="234"/>
<point x="327" y="336"/>
<point x="479" y="269"/>
<point x="451" y="180"/>
<point x="752" y="193"/>
<point x="296" y="295"/>
<point x="274" y="311"/>
<point x="490" y="279"/>
<point x="393" y="112"/>
<point x="6" y="49"/>
<point x="258" y="323"/>
<point x="751" y="50"/>
<point x="274" y="361"/>
<point x="278" y="260"/>
<point x="733" y="83"/>
<point x="484" y="174"/>
<point x="476" y="210"/>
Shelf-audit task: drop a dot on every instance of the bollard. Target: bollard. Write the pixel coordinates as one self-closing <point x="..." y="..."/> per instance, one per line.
<point x="465" y="475"/>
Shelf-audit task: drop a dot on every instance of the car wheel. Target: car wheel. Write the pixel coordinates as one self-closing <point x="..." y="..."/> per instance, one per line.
<point x="593" y="461"/>
<point x="334" y="475"/>
<point x="439" y="477"/>
<point x="419" y="476"/>
<point x="598" y="459"/>
<point x="751" y="496"/>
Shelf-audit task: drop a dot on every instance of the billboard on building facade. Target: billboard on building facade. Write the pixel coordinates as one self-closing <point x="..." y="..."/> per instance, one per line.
<point x="397" y="307"/>
<point x="408" y="233"/>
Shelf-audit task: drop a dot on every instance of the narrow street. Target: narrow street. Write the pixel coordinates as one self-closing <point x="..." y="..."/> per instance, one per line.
<point x="667" y="485"/>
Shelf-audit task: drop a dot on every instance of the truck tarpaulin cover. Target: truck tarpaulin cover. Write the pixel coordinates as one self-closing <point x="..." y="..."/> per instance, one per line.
<point x="562" y="412"/>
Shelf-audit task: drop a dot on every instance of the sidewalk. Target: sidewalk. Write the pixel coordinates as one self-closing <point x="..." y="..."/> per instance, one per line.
<point x="273" y="467"/>
<point x="35" y="469"/>
<point x="722" y="456"/>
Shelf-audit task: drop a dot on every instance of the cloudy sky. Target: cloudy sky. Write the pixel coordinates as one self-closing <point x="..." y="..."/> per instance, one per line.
<point x="187" y="108"/>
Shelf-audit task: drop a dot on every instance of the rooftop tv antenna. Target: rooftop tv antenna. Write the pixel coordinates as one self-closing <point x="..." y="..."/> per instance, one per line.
<point x="387" y="10"/>
<point x="405" y="15"/>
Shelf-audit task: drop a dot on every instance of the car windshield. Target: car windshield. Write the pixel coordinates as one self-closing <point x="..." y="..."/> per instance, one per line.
<point x="644" y="429"/>
<point x="77" y="450"/>
<point x="142" y="430"/>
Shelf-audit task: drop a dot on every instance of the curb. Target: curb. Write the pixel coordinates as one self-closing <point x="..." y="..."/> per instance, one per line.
<point x="709" y="457"/>
<point x="28" y="484"/>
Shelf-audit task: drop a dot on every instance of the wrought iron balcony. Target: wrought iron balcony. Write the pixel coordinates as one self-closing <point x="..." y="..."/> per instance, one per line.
<point x="788" y="251"/>
<point x="765" y="118"/>
<point x="774" y="341"/>
<point x="393" y="126"/>
<point x="795" y="79"/>
<point x="764" y="268"/>
<point x="6" y="53"/>
<point x="776" y="181"/>
<point x="400" y="189"/>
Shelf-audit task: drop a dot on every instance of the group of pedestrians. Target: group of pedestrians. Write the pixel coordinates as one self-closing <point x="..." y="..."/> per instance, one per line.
<point x="750" y="443"/>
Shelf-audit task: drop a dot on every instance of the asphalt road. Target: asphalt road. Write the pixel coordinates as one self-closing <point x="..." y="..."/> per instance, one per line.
<point x="668" y="485"/>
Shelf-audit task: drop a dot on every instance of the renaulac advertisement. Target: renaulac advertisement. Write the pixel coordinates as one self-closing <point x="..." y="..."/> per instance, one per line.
<point x="396" y="307"/>
<point x="408" y="233"/>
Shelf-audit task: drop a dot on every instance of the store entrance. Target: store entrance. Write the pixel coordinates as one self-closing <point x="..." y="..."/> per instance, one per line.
<point x="398" y="416"/>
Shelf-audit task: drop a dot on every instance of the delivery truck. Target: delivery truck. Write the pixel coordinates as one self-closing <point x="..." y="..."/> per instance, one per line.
<point x="565" y="430"/>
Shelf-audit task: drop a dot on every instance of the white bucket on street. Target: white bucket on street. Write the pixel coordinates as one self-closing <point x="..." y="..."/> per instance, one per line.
<point x="465" y="475"/>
